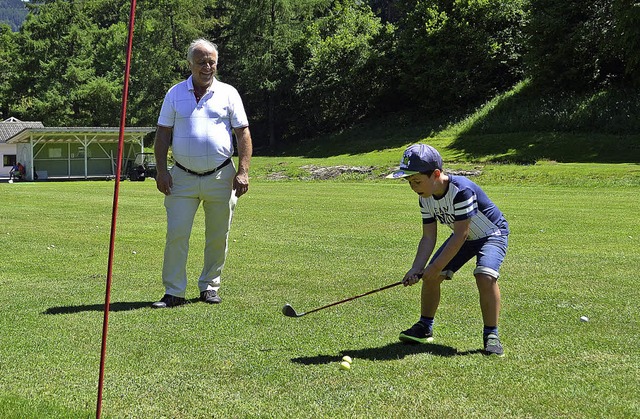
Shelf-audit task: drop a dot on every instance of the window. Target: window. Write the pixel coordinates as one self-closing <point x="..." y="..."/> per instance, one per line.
<point x="9" y="160"/>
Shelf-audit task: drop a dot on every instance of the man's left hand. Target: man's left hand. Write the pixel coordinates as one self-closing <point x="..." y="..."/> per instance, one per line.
<point x="241" y="184"/>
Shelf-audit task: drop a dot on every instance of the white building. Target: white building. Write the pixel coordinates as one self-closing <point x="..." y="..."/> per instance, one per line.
<point x="67" y="152"/>
<point x="9" y="152"/>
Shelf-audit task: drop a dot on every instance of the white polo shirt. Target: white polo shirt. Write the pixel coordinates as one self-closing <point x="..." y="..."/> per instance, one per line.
<point x="202" y="131"/>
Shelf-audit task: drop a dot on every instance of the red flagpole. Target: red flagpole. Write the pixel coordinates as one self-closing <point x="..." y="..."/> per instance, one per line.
<point x="114" y="213"/>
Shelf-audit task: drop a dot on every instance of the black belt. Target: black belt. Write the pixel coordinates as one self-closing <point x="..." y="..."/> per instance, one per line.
<point x="210" y="172"/>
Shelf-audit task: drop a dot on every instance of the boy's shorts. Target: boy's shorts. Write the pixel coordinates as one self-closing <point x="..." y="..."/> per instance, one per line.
<point x="490" y="252"/>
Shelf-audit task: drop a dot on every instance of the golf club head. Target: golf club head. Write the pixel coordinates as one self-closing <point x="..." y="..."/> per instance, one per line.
<point x="288" y="311"/>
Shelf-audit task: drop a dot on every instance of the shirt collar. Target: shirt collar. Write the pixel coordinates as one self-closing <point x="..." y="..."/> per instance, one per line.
<point x="211" y="88"/>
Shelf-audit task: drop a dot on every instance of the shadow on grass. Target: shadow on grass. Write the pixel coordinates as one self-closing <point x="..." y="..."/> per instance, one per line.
<point x="530" y="147"/>
<point x="375" y="134"/>
<point x="113" y="307"/>
<point x="122" y="306"/>
<point x="388" y="352"/>
<point x="527" y="125"/>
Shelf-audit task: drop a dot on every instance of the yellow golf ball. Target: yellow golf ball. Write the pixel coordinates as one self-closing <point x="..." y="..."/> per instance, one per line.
<point x="344" y="365"/>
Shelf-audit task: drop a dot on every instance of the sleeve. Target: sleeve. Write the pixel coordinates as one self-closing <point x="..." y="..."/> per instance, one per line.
<point x="167" y="116"/>
<point x="465" y="204"/>
<point x="238" y="115"/>
<point x="428" y="216"/>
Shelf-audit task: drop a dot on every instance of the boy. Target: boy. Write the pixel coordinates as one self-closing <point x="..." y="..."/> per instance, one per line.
<point x="479" y="229"/>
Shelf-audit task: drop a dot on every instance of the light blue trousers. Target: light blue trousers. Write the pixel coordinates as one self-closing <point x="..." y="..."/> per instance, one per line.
<point x="218" y="199"/>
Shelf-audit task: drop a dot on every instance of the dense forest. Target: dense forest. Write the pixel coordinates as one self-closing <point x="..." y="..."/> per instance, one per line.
<point x="13" y="12"/>
<point x="305" y="67"/>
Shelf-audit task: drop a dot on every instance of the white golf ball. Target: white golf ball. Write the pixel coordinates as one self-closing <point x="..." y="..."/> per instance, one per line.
<point x="584" y="319"/>
<point x="347" y="358"/>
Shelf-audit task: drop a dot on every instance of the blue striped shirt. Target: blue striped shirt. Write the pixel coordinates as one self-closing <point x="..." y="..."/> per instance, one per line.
<point x="463" y="200"/>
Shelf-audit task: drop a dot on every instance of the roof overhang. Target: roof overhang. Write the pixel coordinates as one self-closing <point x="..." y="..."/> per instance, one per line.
<point x="74" y="134"/>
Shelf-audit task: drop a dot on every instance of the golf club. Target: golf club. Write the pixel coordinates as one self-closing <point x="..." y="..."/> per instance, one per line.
<point x="289" y="311"/>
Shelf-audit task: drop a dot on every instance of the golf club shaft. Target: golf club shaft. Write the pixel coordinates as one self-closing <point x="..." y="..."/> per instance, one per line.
<point x="352" y="298"/>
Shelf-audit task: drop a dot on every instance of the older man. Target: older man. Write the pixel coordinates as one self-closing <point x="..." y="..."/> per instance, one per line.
<point x="197" y="121"/>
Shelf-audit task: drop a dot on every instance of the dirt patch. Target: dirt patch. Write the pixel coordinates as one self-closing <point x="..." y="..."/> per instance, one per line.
<point x="467" y="173"/>
<point x="331" y="172"/>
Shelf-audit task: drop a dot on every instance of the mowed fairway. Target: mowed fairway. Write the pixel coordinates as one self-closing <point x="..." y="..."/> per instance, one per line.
<point x="573" y="251"/>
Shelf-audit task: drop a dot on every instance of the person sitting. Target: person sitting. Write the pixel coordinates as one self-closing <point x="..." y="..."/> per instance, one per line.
<point x="14" y="172"/>
<point x="21" y="172"/>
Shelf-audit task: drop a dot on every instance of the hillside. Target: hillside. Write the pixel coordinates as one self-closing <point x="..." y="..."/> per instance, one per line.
<point x="13" y="13"/>
<point x="520" y="126"/>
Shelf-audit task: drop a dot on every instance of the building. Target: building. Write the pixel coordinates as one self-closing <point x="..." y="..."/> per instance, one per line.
<point x="67" y="152"/>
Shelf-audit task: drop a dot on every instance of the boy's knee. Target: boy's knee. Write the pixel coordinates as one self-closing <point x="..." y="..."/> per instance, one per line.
<point x="433" y="283"/>
<point x="485" y="281"/>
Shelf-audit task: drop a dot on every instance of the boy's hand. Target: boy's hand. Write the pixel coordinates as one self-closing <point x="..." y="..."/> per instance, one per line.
<point x="412" y="277"/>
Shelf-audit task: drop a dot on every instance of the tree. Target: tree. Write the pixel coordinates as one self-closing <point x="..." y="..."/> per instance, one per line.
<point x="627" y="14"/>
<point x="578" y="45"/>
<point x="459" y="52"/>
<point x="8" y="56"/>
<point x="303" y="66"/>
<point x="341" y="80"/>
<point x="56" y="79"/>
<point x="164" y="29"/>
<point x="263" y="51"/>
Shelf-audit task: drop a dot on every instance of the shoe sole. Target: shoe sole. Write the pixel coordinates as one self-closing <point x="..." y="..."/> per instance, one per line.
<point x="165" y="305"/>
<point x="412" y="339"/>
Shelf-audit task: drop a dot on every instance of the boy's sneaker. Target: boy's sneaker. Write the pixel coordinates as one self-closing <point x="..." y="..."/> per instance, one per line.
<point x="492" y="345"/>
<point x="418" y="333"/>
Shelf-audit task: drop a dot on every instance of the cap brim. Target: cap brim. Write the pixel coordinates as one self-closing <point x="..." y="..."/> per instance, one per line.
<point x="401" y="173"/>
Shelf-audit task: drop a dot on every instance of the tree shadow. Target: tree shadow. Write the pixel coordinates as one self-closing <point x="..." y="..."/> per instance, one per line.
<point x="389" y="352"/>
<point x="530" y="147"/>
<point x="374" y="134"/>
<point x="527" y="126"/>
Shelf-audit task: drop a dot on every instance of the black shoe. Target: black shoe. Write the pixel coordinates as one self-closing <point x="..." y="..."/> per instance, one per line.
<point x="418" y="333"/>
<point x="169" y="301"/>
<point x="210" y="297"/>
<point x="492" y="345"/>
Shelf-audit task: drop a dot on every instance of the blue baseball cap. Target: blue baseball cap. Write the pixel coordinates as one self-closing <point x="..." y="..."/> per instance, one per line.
<point x="418" y="158"/>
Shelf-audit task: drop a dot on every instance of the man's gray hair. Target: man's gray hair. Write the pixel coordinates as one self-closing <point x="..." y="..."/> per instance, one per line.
<point x="197" y="43"/>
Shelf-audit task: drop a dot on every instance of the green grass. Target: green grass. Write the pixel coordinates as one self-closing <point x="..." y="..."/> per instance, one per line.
<point x="573" y="251"/>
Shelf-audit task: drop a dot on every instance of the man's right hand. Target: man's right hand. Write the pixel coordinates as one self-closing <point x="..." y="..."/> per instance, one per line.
<point x="164" y="182"/>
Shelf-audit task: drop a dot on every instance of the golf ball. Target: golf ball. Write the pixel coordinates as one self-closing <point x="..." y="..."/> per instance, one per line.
<point x="347" y="358"/>
<point x="584" y="319"/>
<point x="344" y="365"/>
